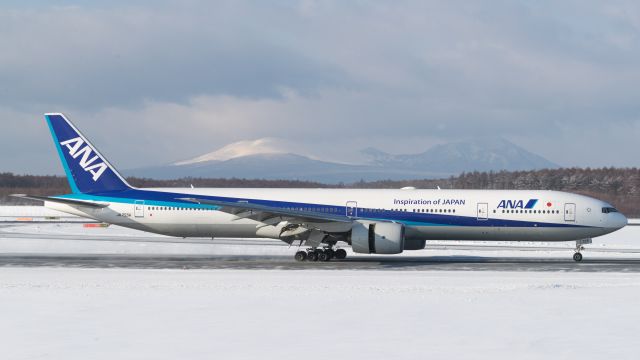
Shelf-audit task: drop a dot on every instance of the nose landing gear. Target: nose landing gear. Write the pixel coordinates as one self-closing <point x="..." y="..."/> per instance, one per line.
<point x="577" y="257"/>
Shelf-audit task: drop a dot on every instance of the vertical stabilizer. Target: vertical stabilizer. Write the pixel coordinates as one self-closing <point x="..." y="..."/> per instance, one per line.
<point x="87" y="170"/>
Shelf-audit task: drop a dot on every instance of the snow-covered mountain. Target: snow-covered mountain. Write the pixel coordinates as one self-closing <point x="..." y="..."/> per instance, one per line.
<point x="265" y="146"/>
<point x="269" y="159"/>
<point x="479" y="154"/>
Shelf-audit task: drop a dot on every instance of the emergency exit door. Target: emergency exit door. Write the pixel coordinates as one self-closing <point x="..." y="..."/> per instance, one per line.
<point x="483" y="211"/>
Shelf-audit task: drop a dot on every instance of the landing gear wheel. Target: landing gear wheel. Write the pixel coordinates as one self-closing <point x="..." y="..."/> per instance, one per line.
<point x="340" y="254"/>
<point x="577" y="257"/>
<point x="312" y="256"/>
<point x="301" y="256"/>
<point x="330" y="253"/>
<point x="323" y="256"/>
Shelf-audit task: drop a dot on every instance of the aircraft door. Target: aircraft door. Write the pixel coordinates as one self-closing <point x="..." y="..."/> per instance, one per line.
<point x="569" y="212"/>
<point x="483" y="211"/>
<point x="352" y="209"/>
<point x="138" y="209"/>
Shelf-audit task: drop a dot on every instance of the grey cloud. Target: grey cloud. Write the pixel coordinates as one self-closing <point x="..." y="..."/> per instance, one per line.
<point x="93" y="58"/>
<point x="559" y="78"/>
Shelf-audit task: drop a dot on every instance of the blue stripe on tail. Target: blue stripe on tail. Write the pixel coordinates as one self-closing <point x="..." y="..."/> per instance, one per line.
<point x="87" y="170"/>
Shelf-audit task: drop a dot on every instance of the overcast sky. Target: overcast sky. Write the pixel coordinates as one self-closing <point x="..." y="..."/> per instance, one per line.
<point x="152" y="82"/>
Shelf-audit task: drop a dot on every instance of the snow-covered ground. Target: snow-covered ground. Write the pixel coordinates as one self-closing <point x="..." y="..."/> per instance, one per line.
<point x="83" y="314"/>
<point x="72" y="313"/>
<point x="35" y="213"/>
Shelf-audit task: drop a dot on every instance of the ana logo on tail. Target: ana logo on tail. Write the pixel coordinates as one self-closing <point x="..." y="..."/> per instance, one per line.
<point x="76" y="149"/>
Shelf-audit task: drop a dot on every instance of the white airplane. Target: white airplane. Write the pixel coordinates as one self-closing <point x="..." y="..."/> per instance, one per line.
<point x="371" y="221"/>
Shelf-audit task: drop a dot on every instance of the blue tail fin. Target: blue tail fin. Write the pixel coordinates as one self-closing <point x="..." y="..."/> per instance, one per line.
<point x="87" y="170"/>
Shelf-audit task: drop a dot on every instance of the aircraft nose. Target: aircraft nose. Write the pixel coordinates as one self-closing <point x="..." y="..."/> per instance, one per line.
<point x="618" y="221"/>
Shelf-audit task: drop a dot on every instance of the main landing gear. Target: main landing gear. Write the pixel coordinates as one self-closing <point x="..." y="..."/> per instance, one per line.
<point x="321" y="254"/>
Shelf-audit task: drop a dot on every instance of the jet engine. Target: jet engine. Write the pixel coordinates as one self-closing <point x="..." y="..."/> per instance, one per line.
<point x="377" y="237"/>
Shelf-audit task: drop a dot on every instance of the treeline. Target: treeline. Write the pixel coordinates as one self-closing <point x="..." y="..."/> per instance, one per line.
<point x="30" y="184"/>
<point x="53" y="185"/>
<point x="619" y="186"/>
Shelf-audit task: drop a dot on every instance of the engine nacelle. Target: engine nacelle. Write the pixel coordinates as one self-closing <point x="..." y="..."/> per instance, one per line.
<point x="377" y="238"/>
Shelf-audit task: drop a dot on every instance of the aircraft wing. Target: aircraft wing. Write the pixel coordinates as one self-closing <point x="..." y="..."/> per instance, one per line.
<point x="266" y="214"/>
<point x="62" y="200"/>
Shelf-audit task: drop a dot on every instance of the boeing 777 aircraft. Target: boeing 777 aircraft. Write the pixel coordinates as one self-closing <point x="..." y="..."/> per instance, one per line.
<point x="371" y="221"/>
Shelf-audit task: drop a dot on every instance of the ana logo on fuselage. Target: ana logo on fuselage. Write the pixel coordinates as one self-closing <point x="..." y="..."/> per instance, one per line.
<point x="76" y="149"/>
<point x="517" y="204"/>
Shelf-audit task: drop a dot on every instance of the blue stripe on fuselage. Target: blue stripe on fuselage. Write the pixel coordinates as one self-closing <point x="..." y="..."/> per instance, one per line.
<point x="158" y="198"/>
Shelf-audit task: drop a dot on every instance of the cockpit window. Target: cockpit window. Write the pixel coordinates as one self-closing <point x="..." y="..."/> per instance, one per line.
<point x="606" y="210"/>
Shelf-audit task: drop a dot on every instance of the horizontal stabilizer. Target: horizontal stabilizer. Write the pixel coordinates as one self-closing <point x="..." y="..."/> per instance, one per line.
<point x="62" y="201"/>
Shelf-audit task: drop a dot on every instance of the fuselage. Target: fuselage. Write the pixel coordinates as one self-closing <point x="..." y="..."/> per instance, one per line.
<point x="371" y="221"/>
<point x="513" y="215"/>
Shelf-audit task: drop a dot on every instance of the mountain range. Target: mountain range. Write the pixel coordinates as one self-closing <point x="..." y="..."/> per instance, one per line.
<point x="266" y="159"/>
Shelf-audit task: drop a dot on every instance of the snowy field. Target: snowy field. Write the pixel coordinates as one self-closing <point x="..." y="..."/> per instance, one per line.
<point x="50" y="313"/>
<point x="35" y="213"/>
<point x="75" y="313"/>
